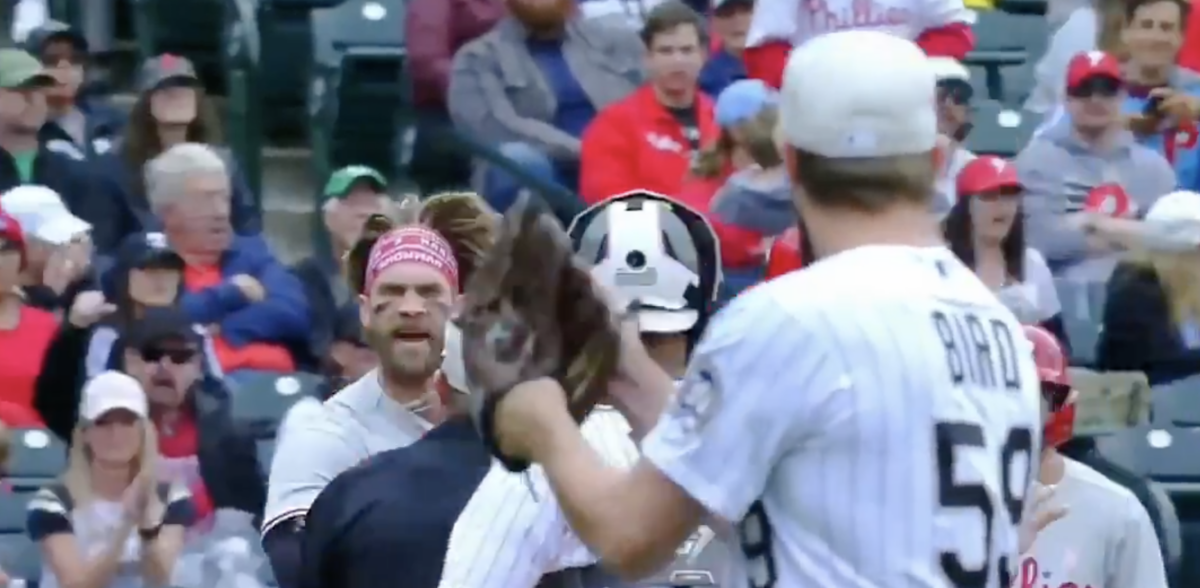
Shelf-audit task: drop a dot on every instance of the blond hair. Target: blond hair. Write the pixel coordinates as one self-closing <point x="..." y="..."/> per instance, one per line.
<point x="78" y="476"/>
<point x="1179" y="280"/>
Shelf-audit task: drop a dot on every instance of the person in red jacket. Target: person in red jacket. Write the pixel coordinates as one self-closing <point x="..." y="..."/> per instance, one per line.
<point x="939" y="27"/>
<point x="747" y="114"/>
<point x="25" y="331"/>
<point x="649" y="140"/>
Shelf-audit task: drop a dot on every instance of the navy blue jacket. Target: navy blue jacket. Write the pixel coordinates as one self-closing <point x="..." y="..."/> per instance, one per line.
<point x="103" y="126"/>
<point x="76" y="182"/>
<point x="281" y="318"/>
<point x="721" y="70"/>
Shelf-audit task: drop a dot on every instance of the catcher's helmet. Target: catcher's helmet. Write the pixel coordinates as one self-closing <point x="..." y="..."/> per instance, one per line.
<point x="650" y="249"/>
<point x="1056" y="386"/>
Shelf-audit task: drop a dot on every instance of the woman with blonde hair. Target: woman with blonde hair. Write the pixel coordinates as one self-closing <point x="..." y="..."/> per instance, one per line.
<point x="108" y="522"/>
<point x="1152" y="313"/>
<point x="739" y="179"/>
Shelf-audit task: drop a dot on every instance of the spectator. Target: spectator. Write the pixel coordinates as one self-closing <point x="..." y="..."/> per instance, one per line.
<point x="251" y="304"/>
<point x="109" y="522"/>
<point x="984" y="232"/>
<point x="532" y="84"/>
<point x="434" y="30"/>
<point x="1164" y="98"/>
<point x="199" y="442"/>
<point x="58" y="250"/>
<point x="954" y="124"/>
<point x="1152" y="314"/>
<point x="1079" y="153"/>
<point x="939" y="28"/>
<point x="172" y="108"/>
<point x="81" y="126"/>
<point x="23" y="84"/>
<point x="739" y="184"/>
<point x="1090" y="26"/>
<point x="649" y="140"/>
<point x="730" y="22"/>
<point x="25" y="331"/>
<point x="352" y="195"/>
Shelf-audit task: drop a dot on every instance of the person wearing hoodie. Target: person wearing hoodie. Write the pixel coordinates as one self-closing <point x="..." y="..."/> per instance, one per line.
<point x="172" y="108"/>
<point x="352" y="195"/>
<point x="79" y="124"/>
<point x="252" y="305"/>
<point x="200" y="444"/>
<point x="1087" y="151"/>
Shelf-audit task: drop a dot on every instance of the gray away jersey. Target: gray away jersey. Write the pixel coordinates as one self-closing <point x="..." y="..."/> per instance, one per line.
<point x="356" y="423"/>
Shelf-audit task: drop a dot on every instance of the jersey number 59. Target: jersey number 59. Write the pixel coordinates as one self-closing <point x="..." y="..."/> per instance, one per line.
<point x="951" y="438"/>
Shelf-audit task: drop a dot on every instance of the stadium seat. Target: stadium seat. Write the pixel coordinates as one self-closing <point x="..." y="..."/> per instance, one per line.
<point x="979" y="83"/>
<point x="1178" y="403"/>
<point x="1170" y="534"/>
<point x="266" y="451"/>
<point x="36" y="456"/>
<point x="359" y="82"/>
<point x="999" y="130"/>
<point x="1007" y="38"/>
<point x="1016" y="83"/>
<point x="264" y="397"/>
<point x="20" y="557"/>
<point x="191" y="28"/>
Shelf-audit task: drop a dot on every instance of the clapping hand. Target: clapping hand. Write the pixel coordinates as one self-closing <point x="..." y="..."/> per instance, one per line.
<point x="136" y="498"/>
<point x="89" y="308"/>
<point x="1037" y="516"/>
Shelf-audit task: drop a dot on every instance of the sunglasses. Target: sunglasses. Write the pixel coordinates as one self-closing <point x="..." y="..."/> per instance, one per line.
<point x="7" y="245"/>
<point x="958" y="92"/>
<point x="1100" y="86"/>
<point x="178" y="356"/>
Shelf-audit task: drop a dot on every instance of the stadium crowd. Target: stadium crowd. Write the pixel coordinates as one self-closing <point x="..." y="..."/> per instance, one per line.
<point x="140" y="302"/>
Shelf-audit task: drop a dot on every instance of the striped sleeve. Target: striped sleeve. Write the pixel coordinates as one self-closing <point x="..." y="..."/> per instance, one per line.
<point x="309" y="456"/>
<point x="47" y="515"/>
<point x="502" y="538"/>
<point x="756" y="369"/>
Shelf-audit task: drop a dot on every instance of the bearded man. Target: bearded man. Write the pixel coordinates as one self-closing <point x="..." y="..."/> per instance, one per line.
<point x="407" y="277"/>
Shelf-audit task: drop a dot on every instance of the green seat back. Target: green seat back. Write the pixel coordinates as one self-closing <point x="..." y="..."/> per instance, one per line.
<point x="36" y="455"/>
<point x="264" y="397"/>
<point x="191" y="28"/>
<point x="999" y="129"/>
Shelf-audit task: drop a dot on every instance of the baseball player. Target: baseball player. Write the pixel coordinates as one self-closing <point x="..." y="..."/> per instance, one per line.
<point x="1105" y="538"/>
<point x="939" y="27"/>
<point x="642" y="247"/>
<point x="871" y="420"/>
<point x="409" y="277"/>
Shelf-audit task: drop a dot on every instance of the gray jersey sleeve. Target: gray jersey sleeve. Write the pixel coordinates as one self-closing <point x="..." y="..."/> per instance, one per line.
<point x="311" y="453"/>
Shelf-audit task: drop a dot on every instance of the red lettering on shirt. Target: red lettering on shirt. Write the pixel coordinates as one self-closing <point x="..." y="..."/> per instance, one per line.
<point x="828" y="16"/>
<point x="1030" y="571"/>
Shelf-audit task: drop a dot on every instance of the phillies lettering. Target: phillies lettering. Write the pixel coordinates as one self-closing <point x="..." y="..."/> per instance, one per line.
<point x="833" y="16"/>
<point x="1031" y="572"/>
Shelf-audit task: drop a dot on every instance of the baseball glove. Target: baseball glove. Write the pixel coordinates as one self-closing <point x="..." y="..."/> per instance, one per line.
<point x="531" y="311"/>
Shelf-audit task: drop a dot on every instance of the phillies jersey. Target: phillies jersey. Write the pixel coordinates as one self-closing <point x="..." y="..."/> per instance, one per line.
<point x="1106" y="540"/>
<point x="798" y="21"/>
<point x="867" y="422"/>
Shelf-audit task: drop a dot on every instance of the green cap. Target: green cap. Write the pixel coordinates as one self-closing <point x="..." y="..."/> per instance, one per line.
<point x="342" y="180"/>
<point x="19" y="69"/>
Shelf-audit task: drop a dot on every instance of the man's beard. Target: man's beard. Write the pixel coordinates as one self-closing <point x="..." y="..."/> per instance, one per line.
<point x="542" y="18"/>
<point x="404" y="365"/>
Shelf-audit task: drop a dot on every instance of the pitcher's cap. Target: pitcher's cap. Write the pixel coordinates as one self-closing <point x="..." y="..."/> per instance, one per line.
<point x="859" y="94"/>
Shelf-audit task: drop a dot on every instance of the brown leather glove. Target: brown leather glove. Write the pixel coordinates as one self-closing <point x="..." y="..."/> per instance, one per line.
<point x="532" y="311"/>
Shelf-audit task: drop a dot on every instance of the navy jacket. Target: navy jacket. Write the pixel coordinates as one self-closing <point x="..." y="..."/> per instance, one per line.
<point x="281" y="318"/>
<point x="103" y="126"/>
<point x="719" y="71"/>
<point x="76" y="182"/>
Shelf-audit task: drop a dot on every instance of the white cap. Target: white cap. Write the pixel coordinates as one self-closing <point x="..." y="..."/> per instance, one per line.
<point x="112" y="390"/>
<point x="659" y="320"/>
<point x="948" y="68"/>
<point x="453" y="368"/>
<point x="859" y="93"/>
<point x="1181" y="205"/>
<point x="43" y="215"/>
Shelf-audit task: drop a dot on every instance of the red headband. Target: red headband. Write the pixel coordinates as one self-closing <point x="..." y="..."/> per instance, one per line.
<point x="416" y="245"/>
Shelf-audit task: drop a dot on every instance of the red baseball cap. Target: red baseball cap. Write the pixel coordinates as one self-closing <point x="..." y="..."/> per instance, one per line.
<point x="987" y="173"/>
<point x="1091" y="64"/>
<point x="10" y="231"/>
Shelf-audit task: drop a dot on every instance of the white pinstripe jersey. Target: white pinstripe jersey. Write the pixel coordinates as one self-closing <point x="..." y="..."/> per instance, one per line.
<point x="868" y="422"/>
<point x="512" y="532"/>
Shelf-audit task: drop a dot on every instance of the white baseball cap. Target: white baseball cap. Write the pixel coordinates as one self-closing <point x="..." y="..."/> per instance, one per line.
<point x="1182" y="205"/>
<point x="948" y="68"/>
<point x="853" y="94"/>
<point x="43" y="215"/>
<point x="112" y="390"/>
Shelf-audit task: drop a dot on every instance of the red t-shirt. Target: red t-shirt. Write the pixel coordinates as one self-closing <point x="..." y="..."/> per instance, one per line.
<point x="21" y="352"/>
<point x="251" y="356"/>
<point x="178" y="449"/>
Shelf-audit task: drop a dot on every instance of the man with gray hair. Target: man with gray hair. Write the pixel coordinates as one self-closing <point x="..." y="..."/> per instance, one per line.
<point x="254" y="307"/>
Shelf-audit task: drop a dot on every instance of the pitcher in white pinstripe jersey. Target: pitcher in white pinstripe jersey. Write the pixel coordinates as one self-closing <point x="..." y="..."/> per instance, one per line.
<point x="869" y="421"/>
<point x="642" y="247"/>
